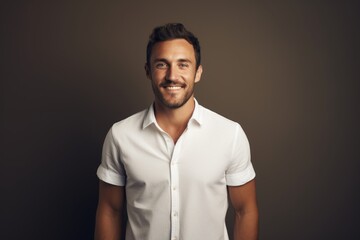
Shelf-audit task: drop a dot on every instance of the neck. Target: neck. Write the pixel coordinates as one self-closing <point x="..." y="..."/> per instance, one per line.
<point x="174" y="121"/>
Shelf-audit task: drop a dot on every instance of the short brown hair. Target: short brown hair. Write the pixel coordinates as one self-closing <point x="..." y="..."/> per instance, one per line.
<point x="173" y="31"/>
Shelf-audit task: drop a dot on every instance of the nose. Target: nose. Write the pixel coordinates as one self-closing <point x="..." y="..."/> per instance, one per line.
<point x="172" y="73"/>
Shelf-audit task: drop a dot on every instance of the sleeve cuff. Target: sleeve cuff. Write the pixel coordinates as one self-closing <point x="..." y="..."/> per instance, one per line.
<point x="110" y="177"/>
<point x="241" y="178"/>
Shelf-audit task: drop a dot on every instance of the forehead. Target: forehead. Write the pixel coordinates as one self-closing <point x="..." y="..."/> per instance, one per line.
<point x="175" y="48"/>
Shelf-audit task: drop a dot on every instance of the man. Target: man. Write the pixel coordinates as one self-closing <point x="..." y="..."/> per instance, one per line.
<point x="174" y="164"/>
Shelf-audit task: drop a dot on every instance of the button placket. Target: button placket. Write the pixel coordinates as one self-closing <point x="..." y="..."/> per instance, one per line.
<point x="175" y="205"/>
<point x="169" y="144"/>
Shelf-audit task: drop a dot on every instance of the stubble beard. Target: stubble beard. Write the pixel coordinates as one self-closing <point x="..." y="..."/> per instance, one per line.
<point x="169" y="103"/>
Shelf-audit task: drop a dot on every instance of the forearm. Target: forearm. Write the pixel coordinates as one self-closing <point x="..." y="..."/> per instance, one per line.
<point x="246" y="226"/>
<point x="109" y="225"/>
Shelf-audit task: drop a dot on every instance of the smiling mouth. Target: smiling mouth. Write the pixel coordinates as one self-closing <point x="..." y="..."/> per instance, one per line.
<point x="173" y="87"/>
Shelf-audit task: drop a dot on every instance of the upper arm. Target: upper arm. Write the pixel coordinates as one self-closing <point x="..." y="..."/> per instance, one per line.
<point x="110" y="214"/>
<point x="111" y="197"/>
<point x="243" y="197"/>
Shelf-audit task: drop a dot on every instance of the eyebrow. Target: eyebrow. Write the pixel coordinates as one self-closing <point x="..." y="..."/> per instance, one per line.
<point x="179" y="60"/>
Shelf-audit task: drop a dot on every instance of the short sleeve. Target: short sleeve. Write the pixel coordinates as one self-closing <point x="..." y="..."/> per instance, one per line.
<point x="240" y="170"/>
<point x="111" y="169"/>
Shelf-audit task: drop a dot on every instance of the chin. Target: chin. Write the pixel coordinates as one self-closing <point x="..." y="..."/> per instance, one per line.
<point x="174" y="104"/>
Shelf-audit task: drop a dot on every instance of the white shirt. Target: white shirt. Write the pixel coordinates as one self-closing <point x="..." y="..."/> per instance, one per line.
<point x="176" y="191"/>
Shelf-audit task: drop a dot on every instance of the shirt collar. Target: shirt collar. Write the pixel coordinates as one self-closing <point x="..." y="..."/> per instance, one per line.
<point x="149" y="116"/>
<point x="197" y="115"/>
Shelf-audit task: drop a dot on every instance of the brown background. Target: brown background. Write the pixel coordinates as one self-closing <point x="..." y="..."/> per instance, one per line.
<point x="287" y="71"/>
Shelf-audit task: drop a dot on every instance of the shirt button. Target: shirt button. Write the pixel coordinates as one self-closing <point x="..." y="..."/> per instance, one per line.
<point x="174" y="188"/>
<point x="175" y="214"/>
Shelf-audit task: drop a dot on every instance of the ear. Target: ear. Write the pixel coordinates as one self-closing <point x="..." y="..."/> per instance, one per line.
<point x="198" y="73"/>
<point x="147" y="70"/>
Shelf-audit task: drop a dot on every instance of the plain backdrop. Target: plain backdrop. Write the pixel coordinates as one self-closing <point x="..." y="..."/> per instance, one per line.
<point x="287" y="71"/>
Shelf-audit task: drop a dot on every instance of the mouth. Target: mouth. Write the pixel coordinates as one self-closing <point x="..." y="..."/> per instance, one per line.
<point x="173" y="87"/>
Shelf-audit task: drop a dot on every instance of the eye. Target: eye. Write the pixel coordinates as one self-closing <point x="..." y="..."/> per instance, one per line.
<point x="161" y="65"/>
<point x="183" y="65"/>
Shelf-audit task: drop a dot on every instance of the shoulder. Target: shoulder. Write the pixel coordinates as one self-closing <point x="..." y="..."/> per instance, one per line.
<point x="129" y="124"/>
<point x="220" y="125"/>
<point x="212" y="118"/>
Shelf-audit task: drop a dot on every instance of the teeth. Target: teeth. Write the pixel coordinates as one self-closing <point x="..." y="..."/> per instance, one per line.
<point x="173" y="87"/>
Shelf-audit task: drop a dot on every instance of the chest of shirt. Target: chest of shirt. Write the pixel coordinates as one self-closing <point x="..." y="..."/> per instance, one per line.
<point x="201" y="160"/>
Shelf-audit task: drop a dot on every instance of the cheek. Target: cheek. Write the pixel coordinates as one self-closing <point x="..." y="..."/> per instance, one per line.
<point x="188" y="74"/>
<point x="158" y="74"/>
<point x="154" y="77"/>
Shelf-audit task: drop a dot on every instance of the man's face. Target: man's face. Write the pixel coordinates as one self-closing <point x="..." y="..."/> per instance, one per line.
<point x="173" y="72"/>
